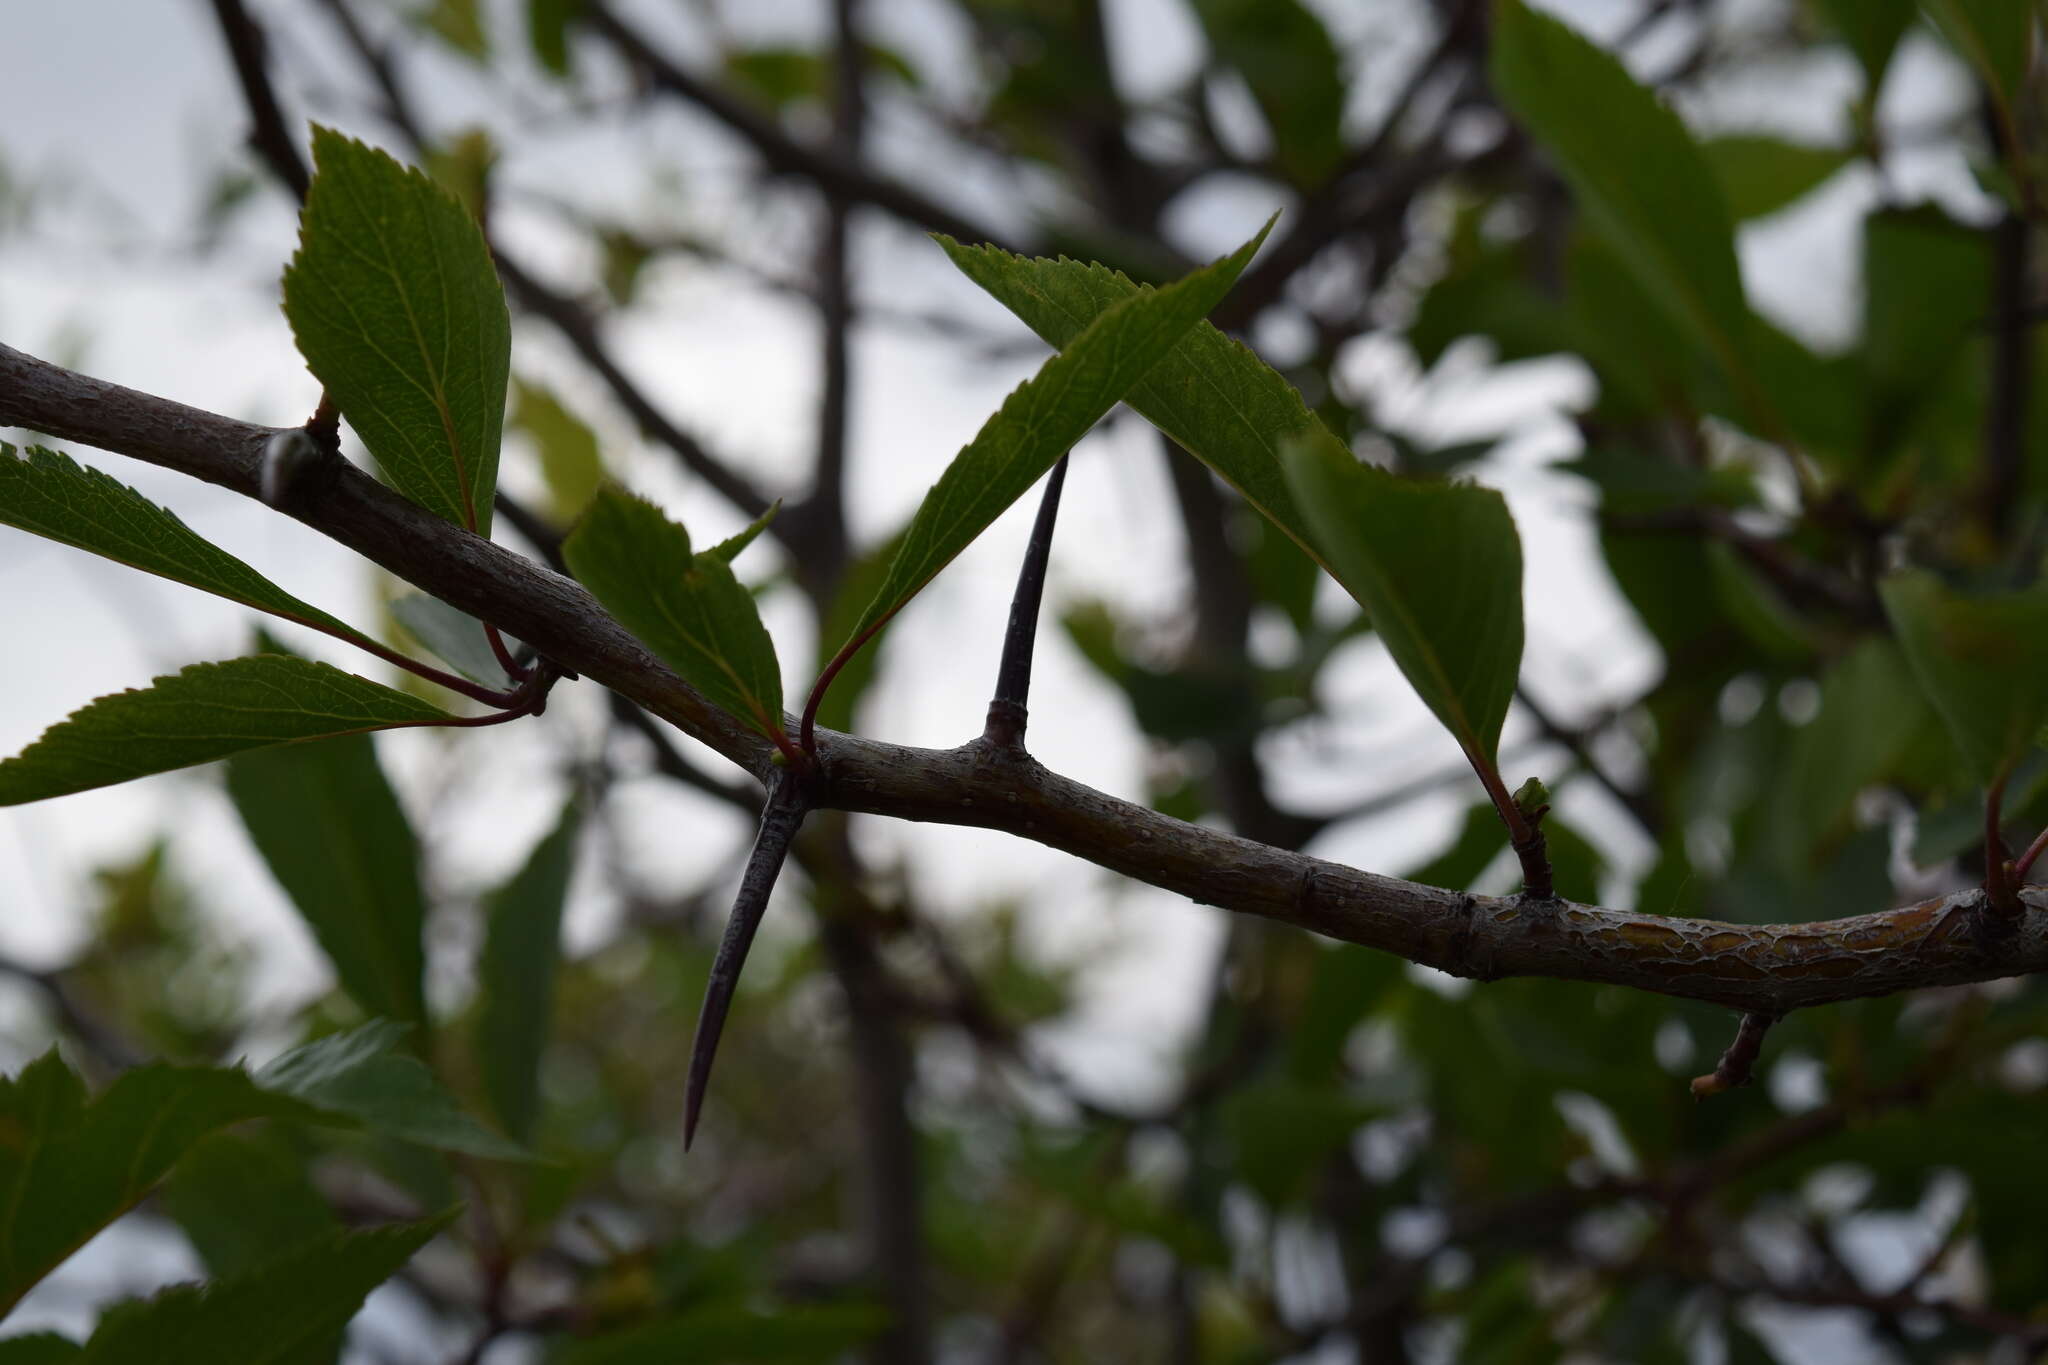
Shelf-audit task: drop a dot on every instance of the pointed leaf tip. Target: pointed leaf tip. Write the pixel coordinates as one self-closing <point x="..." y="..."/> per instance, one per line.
<point x="1047" y="414"/>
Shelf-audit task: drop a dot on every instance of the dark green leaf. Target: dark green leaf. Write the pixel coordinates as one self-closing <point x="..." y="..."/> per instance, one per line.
<point x="333" y="834"/>
<point x="1223" y="404"/>
<point x="735" y="1332"/>
<point x="39" y="1348"/>
<point x="1927" y="285"/>
<point x="1285" y="55"/>
<point x="1046" y="415"/>
<point x="547" y="31"/>
<point x="1438" y="567"/>
<point x="570" y="460"/>
<point x="1760" y="175"/>
<point x="51" y="495"/>
<point x="273" y="1315"/>
<point x="516" y="977"/>
<point x="1870" y="712"/>
<point x="1872" y="28"/>
<point x="69" y="1166"/>
<point x="398" y="312"/>
<point x="1636" y="169"/>
<point x="1472" y="850"/>
<point x="245" y="1198"/>
<point x="1285" y="1132"/>
<point x="1982" y="661"/>
<point x="688" y="608"/>
<point x="453" y="635"/>
<point x="358" y="1074"/>
<point x="460" y="24"/>
<point x="206" y="712"/>
<point x="1993" y="36"/>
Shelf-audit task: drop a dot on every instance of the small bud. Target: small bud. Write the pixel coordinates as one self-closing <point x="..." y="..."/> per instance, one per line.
<point x="286" y="456"/>
<point x="1532" y="798"/>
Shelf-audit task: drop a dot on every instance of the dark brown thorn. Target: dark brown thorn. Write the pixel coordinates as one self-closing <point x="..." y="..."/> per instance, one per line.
<point x="1006" y="710"/>
<point x="788" y="803"/>
<point x="1739" y="1060"/>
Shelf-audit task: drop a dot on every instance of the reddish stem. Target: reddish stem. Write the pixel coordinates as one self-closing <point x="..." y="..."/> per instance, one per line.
<point x="808" y="730"/>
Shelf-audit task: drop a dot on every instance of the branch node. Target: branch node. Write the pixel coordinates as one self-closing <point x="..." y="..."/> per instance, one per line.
<point x="295" y="467"/>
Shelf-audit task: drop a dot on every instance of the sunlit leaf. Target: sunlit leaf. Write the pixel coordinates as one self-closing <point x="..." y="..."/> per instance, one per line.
<point x="398" y="311"/>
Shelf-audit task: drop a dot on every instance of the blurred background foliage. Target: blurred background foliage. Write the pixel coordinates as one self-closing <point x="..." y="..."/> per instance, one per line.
<point x="1354" y="1159"/>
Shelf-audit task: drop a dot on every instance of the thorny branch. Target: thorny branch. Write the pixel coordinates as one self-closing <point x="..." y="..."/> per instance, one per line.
<point x="1764" y="968"/>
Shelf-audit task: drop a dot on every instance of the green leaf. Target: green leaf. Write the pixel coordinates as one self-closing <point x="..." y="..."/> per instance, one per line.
<point x="1635" y="168"/>
<point x="1993" y="36"/>
<point x="243" y="1198"/>
<point x="69" y="1166"/>
<point x="1046" y="415"/>
<point x="1872" y="28"/>
<point x="1927" y="284"/>
<point x="1285" y="1133"/>
<point x="399" y="314"/>
<point x="729" y="548"/>
<point x="688" y="608"/>
<point x="1438" y="567"/>
<point x="51" y="495"/>
<point x="273" y="1315"/>
<point x="1760" y="175"/>
<point x="1982" y="661"/>
<point x="359" y="1074"/>
<point x="1223" y="404"/>
<point x="39" y="1348"/>
<point x="454" y="636"/>
<point x="1870" y="712"/>
<point x="516" y="977"/>
<point x="460" y="24"/>
<point x="1285" y="55"/>
<point x="570" y="460"/>
<point x="725" y="1331"/>
<point x="206" y="712"/>
<point x="547" y="31"/>
<point x="333" y="834"/>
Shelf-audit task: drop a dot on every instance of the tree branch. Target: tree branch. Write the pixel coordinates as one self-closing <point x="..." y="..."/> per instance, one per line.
<point x="1759" y="968"/>
<point x="781" y="153"/>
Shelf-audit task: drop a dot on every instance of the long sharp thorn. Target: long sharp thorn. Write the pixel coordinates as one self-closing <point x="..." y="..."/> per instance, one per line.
<point x="780" y="820"/>
<point x="1006" y="710"/>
